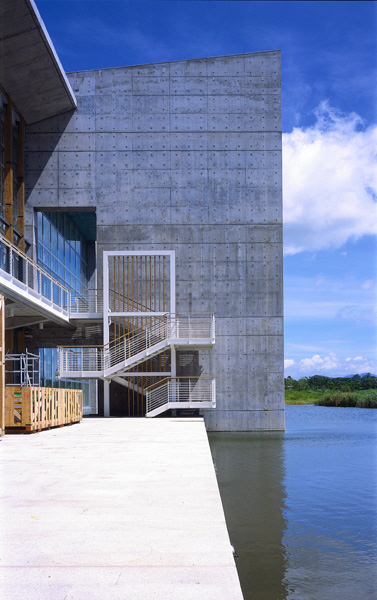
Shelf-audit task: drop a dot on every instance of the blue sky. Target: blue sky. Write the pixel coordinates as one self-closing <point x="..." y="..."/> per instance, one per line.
<point x="329" y="75"/>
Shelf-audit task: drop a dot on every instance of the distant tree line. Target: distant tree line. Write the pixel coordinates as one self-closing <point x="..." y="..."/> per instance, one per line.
<point x="343" y="384"/>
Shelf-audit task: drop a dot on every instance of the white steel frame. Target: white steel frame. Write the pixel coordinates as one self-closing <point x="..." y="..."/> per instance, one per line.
<point x="107" y="314"/>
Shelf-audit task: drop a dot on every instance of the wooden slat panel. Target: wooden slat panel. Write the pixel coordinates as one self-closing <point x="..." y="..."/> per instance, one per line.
<point x="35" y="408"/>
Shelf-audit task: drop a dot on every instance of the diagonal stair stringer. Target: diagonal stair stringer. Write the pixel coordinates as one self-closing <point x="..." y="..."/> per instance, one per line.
<point x="124" y="365"/>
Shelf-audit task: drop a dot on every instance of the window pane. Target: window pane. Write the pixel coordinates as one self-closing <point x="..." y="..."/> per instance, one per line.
<point x="61" y="248"/>
<point x="54" y="238"/>
<point x="39" y="226"/>
<point x="47" y="359"/>
<point x="46" y="258"/>
<point x="46" y="232"/>
<point x="72" y="261"/>
<point x="54" y="267"/>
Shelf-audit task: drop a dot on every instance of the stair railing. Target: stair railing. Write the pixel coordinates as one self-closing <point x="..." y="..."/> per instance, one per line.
<point x="119" y="302"/>
<point x="192" y="392"/>
<point x="167" y="328"/>
<point x="136" y="341"/>
<point x="79" y="359"/>
<point x="85" y="301"/>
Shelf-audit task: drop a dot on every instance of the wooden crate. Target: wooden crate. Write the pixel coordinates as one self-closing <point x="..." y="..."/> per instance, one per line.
<point x="35" y="408"/>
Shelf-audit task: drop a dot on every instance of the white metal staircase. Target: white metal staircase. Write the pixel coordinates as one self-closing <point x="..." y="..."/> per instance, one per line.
<point x="137" y="282"/>
<point x="139" y="287"/>
<point x="180" y="392"/>
<point x="120" y="355"/>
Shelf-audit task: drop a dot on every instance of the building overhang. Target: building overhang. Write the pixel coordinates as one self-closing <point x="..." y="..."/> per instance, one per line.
<point x="30" y="70"/>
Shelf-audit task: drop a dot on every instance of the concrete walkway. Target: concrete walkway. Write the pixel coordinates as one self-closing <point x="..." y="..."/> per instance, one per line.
<point x="113" y="509"/>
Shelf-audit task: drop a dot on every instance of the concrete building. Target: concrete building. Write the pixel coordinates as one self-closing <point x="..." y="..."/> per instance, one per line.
<point x="181" y="158"/>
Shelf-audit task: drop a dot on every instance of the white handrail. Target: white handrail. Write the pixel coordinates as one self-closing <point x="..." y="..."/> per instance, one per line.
<point x="83" y="302"/>
<point x="169" y="328"/>
<point x="21" y="269"/>
<point x="120" y="303"/>
<point x="86" y="358"/>
<point x="192" y="392"/>
<point x="90" y="301"/>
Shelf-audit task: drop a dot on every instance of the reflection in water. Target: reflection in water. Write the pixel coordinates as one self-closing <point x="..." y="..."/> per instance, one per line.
<point x="330" y="458"/>
<point x="250" y="472"/>
<point x="301" y="507"/>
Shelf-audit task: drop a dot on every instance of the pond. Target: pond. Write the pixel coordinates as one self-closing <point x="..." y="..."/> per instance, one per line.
<point x="301" y="506"/>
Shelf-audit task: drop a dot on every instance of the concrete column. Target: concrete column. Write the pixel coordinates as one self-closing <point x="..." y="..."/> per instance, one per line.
<point x="173" y="374"/>
<point x="106" y="397"/>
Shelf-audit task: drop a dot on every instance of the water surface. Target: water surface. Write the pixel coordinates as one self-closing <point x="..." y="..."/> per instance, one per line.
<point x="301" y="507"/>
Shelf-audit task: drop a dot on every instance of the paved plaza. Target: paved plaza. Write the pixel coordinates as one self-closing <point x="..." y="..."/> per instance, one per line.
<point x="114" y="508"/>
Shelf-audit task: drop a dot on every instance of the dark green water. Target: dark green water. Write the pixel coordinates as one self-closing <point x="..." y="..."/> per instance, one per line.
<point x="301" y="507"/>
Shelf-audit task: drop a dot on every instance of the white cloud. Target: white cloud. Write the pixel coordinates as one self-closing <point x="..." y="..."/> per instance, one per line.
<point x="319" y="309"/>
<point x="326" y="363"/>
<point x="329" y="181"/>
<point x="289" y="362"/>
<point x="330" y="365"/>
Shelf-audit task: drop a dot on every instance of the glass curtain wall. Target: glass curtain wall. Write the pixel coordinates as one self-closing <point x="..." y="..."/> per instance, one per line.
<point x="62" y="249"/>
<point x="63" y="252"/>
<point x="48" y="365"/>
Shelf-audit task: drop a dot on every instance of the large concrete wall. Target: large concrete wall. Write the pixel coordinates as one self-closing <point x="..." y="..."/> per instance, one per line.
<point x="187" y="156"/>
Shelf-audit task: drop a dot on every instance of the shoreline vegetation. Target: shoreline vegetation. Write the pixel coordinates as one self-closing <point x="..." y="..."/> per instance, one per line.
<point x="357" y="391"/>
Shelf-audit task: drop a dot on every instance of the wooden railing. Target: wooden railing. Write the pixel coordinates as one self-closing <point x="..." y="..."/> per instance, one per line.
<point x="37" y="408"/>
